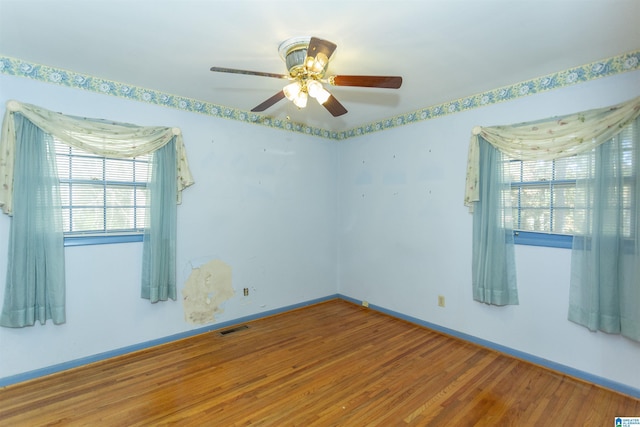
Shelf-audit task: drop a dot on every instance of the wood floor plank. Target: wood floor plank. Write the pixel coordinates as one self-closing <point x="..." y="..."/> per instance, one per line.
<point x="330" y="364"/>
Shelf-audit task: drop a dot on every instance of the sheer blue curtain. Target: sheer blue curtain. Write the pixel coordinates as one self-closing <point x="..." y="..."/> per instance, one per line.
<point x="605" y="264"/>
<point x="159" y="251"/>
<point x="35" y="284"/>
<point x="493" y="263"/>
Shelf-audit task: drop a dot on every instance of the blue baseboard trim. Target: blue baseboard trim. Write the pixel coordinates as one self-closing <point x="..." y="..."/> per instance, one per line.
<point x="563" y="369"/>
<point x="37" y="373"/>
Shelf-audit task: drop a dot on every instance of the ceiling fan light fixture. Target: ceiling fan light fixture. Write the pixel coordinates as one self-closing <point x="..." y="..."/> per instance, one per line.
<point x="292" y="90"/>
<point x="323" y="96"/>
<point x="300" y="100"/>
<point x="318" y="64"/>
<point x="318" y="92"/>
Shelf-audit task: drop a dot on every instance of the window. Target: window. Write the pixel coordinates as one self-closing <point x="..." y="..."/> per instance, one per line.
<point x="547" y="203"/>
<point x="543" y="194"/>
<point x="101" y="196"/>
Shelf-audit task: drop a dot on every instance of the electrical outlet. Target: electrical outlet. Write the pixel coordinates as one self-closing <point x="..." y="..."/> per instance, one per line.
<point x="365" y="304"/>
<point x="440" y="300"/>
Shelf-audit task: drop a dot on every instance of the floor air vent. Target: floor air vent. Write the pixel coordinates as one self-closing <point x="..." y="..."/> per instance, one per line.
<point x="232" y="330"/>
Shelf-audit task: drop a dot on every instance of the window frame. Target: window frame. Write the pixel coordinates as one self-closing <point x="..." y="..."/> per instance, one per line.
<point x="549" y="240"/>
<point x="559" y="240"/>
<point x="539" y="238"/>
<point x="89" y="240"/>
<point x="97" y="237"/>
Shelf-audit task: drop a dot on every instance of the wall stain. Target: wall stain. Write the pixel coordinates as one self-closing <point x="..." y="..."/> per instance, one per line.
<point x="206" y="289"/>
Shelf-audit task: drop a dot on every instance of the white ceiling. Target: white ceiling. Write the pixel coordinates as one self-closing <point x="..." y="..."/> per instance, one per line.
<point x="444" y="49"/>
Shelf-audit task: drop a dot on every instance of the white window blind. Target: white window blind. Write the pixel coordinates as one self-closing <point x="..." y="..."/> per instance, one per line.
<point x="543" y="194"/>
<point x="101" y="195"/>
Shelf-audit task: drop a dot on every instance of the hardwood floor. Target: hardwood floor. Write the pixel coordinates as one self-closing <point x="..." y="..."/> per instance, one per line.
<point x="329" y="364"/>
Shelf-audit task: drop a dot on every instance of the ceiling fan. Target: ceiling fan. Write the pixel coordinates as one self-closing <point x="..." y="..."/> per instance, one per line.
<point x="307" y="59"/>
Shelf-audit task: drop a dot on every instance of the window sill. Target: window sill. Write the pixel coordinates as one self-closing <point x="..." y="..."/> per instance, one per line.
<point x="543" y="239"/>
<point x="101" y="240"/>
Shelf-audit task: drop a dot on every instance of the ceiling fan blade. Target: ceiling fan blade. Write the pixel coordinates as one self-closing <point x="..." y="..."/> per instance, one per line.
<point x="247" y="72"/>
<point x="390" y="82"/>
<point x="320" y="46"/>
<point x="334" y="106"/>
<point x="269" y="102"/>
<point x="319" y="52"/>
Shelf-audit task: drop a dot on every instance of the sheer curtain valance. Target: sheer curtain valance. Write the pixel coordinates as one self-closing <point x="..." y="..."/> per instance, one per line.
<point x="548" y="139"/>
<point x="101" y="137"/>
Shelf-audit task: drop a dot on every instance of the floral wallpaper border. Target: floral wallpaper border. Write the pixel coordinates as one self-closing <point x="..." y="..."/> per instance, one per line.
<point x="607" y="67"/>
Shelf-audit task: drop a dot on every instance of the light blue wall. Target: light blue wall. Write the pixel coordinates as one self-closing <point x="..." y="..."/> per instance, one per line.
<point x="405" y="236"/>
<point x="377" y="218"/>
<point x="264" y="202"/>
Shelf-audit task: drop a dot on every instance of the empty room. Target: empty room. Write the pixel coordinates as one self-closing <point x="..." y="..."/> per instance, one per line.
<point x="354" y="213"/>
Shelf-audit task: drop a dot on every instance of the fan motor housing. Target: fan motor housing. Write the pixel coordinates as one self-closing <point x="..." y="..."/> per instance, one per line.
<point x="294" y="53"/>
<point x="295" y="61"/>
